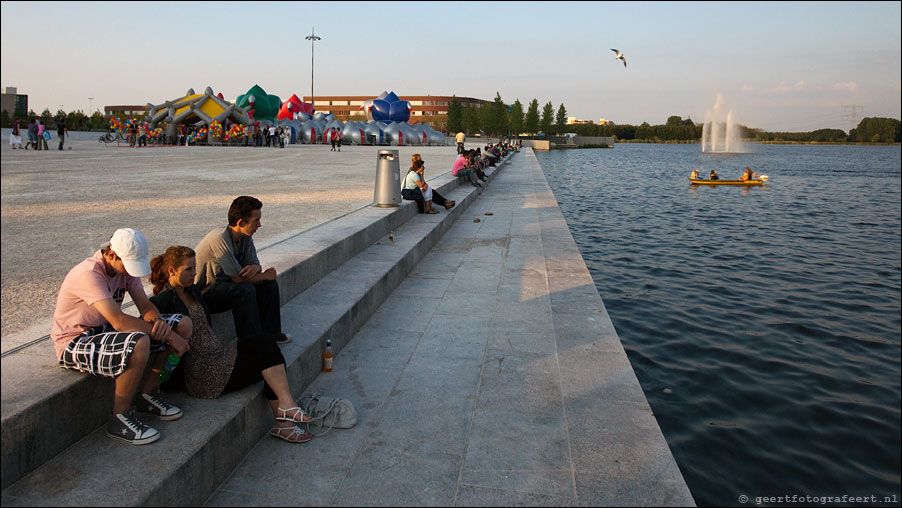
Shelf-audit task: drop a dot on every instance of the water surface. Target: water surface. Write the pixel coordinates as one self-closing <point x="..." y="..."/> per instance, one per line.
<point x="763" y="323"/>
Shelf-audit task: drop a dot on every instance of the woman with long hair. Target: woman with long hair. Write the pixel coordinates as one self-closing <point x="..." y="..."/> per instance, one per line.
<point x="213" y="368"/>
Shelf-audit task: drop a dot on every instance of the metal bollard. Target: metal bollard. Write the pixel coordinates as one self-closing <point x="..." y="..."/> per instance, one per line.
<point x="388" y="180"/>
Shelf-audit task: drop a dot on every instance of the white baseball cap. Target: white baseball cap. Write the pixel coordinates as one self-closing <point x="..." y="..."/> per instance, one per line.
<point x="131" y="246"/>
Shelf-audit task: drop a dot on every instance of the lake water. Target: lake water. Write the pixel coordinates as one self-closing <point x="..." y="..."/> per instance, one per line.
<point x="763" y="323"/>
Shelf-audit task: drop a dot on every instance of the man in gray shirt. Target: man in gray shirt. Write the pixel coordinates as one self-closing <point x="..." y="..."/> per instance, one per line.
<point x="230" y="276"/>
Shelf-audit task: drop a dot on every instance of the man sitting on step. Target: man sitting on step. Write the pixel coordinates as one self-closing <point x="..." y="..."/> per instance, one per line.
<point x="91" y="334"/>
<point x="230" y="276"/>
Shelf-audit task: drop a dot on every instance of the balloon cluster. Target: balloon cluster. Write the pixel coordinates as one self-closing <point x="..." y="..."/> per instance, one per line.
<point x="216" y="129"/>
<point x="116" y="124"/>
<point x="236" y="131"/>
<point x="202" y="132"/>
<point x="157" y="134"/>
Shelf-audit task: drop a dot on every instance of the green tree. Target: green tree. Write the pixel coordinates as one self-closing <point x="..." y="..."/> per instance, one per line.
<point x="532" y="117"/>
<point x="644" y="131"/>
<point x="547" y="118"/>
<point x="561" y="119"/>
<point x="874" y="129"/>
<point x="516" y="120"/>
<point x="455" y="116"/>
<point x="674" y="121"/>
<point x="5" y="120"/>
<point x="472" y="119"/>
<point x="497" y="121"/>
<point x="97" y="121"/>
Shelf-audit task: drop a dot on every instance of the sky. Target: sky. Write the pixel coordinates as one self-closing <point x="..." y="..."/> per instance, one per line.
<point x="778" y="66"/>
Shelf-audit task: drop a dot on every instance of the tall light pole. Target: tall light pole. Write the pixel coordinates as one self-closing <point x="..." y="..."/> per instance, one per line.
<point x="312" y="38"/>
<point x="90" y="105"/>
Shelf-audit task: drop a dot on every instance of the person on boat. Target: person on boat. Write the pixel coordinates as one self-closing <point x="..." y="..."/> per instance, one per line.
<point x="749" y="175"/>
<point x="693" y="175"/>
<point x="714" y="175"/>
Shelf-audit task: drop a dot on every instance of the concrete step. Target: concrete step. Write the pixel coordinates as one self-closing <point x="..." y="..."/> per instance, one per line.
<point x="325" y="299"/>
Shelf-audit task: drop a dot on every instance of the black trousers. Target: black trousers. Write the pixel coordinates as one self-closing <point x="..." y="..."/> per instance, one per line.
<point x="255" y="307"/>
<point x="255" y="356"/>
<point x="417" y="195"/>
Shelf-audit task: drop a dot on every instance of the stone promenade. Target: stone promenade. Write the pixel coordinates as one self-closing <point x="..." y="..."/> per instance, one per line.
<point x="492" y="376"/>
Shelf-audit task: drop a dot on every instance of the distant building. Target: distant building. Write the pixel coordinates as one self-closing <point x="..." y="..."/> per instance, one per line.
<point x="14" y="103"/>
<point x="603" y="121"/>
<point x="572" y="120"/>
<point x="423" y="107"/>
<point x="124" y="111"/>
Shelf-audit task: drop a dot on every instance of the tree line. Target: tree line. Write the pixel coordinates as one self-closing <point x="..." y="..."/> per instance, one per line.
<point x="75" y="121"/>
<point x="499" y="119"/>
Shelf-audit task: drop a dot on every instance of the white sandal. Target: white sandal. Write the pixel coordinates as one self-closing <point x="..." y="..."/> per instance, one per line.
<point x="299" y="413"/>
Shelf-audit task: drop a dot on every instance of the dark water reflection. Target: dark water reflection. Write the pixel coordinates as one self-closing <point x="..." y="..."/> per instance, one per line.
<point x="763" y="323"/>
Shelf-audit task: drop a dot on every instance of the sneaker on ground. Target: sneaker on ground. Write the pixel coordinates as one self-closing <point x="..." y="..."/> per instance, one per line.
<point x="125" y="427"/>
<point x="152" y="404"/>
<point x="282" y="338"/>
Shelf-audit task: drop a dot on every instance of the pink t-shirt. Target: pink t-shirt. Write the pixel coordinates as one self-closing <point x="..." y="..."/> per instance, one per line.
<point x="85" y="284"/>
<point x="459" y="164"/>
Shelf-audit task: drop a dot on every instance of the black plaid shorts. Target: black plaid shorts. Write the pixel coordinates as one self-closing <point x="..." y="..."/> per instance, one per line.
<point x="102" y="351"/>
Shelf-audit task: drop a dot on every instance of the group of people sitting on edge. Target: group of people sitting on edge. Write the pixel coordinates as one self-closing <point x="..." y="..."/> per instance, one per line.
<point x="748" y="175"/>
<point x="91" y="334"/>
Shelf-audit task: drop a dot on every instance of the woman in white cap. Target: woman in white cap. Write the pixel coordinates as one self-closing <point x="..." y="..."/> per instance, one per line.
<point x="91" y="334"/>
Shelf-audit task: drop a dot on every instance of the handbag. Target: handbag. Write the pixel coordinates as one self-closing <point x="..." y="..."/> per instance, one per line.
<point x="328" y="412"/>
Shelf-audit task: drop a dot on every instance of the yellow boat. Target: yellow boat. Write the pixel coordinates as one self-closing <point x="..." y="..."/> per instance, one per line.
<point x="699" y="181"/>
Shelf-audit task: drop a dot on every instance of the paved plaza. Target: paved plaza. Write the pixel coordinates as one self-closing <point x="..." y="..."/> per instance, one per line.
<point x="58" y="207"/>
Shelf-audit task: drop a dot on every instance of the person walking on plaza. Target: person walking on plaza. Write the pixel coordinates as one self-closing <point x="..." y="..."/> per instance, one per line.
<point x="91" y="334"/>
<point x="214" y="367"/>
<point x="333" y="137"/>
<point x="230" y="276"/>
<point x="460" y="138"/>
<point x="32" y="135"/>
<point x="42" y="139"/>
<point x="15" y="137"/>
<point x="62" y="133"/>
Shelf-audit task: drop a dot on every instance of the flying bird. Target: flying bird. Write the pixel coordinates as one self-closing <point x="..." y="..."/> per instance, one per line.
<point x="619" y="56"/>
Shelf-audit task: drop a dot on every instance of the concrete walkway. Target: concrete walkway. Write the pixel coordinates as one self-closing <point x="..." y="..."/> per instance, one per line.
<point x="492" y="376"/>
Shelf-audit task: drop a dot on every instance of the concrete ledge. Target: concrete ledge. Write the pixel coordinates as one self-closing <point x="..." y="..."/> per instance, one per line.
<point x="45" y="413"/>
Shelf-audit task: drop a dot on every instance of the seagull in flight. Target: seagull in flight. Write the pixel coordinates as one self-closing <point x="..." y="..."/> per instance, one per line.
<point x="619" y="56"/>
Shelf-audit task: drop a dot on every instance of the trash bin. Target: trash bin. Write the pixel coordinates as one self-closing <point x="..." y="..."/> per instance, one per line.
<point x="388" y="180"/>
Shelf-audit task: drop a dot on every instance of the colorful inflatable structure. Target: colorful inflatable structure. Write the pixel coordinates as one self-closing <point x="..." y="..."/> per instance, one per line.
<point x="387" y="116"/>
<point x="259" y="105"/>
<point x="387" y="108"/>
<point x="292" y="107"/>
<point x="195" y="109"/>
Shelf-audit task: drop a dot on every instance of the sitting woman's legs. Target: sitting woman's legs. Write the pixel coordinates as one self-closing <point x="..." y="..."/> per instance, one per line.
<point x="415" y="195"/>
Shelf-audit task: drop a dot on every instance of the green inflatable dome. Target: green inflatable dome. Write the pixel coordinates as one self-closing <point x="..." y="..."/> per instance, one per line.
<point x="265" y="106"/>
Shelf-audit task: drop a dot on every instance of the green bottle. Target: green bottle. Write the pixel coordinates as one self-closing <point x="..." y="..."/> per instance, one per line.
<point x="171" y="363"/>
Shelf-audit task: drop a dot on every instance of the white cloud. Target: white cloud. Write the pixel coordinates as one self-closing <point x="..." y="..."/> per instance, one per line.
<point x="785" y="87"/>
<point x="851" y="86"/>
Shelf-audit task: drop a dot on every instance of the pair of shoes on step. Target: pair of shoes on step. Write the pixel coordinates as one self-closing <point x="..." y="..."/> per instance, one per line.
<point x="449" y="204"/>
<point x="127" y="427"/>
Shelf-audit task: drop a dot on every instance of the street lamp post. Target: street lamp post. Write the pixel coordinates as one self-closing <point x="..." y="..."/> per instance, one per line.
<point x="90" y="105"/>
<point x="312" y="38"/>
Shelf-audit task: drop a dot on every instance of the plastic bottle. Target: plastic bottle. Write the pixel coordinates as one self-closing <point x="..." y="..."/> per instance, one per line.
<point x="327" y="357"/>
<point x="391" y="236"/>
<point x="172" y="361"/>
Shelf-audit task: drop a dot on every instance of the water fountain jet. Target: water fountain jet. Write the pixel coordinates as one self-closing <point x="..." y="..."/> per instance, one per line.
<point x="719" y="132"/>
